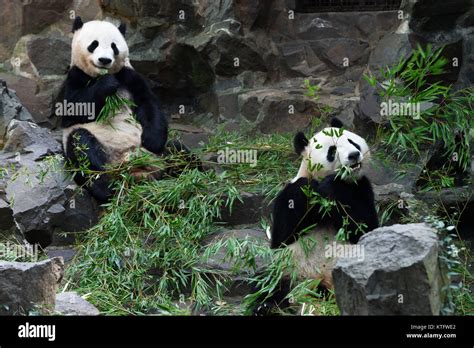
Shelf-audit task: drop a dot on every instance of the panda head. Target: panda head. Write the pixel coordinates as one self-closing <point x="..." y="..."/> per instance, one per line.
<point x="98" y="47"/>
<point x="329" y="150"/>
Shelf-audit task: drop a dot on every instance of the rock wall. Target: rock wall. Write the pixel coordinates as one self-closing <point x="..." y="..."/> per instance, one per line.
<point x="235" y="60"/>
<point x="239" y="61"/>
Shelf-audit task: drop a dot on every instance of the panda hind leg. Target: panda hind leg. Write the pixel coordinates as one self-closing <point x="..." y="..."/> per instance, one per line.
<point x="268" y="304"/>
<point x="290" y="215"/>
<point x="81" y="143"/>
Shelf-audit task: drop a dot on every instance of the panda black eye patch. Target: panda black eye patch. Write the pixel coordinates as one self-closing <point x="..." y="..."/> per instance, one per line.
<point x="356" y="145"/>
<point x="331" y="153"/>
<point x="93" y="46"/>
<point x="114" y="47"/>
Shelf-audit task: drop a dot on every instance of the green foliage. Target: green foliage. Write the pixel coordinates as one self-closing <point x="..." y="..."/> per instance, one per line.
<point x="113" y="104"/>
<point x="145" y="252"/>
<point x="148" y="251"/>
<point x="275" y="160"/>
<point x="455" y="258"/>
<point x="445" y="116"/>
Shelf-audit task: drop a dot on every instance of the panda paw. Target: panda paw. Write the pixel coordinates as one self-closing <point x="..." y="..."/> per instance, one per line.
<point x="153" y="142"/>
<point x="108" y="85"/>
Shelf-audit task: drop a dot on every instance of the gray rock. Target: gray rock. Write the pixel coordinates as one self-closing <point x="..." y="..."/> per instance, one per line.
<point x="71" y="303"/>
<point x="27" y="137"/>
<point x="249" y="211"/>
<point x="388" y="193"/>
<point x="25" y="285"/>
<point x="453" y="196"/>
<point x="43" y="200"/>
<point x="49" y="55"/>
<point x="18" y="18"/>
<point x="335" y="51"/>
<point x="275" y="110"/>
<point x="10" y="108"/>
<point x="32" y="195"/>
<point x="389" y="50"/>
<point x="399" y="275"/>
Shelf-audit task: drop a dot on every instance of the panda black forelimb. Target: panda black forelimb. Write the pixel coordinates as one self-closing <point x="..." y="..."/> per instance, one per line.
<point x="148" y="111"/>
<point x="81" y="88"/>
<point x="82" y="140"/>
<point x="355" y="199"/>
<point x="300" y="142"/>
<point x="290" y="212"/>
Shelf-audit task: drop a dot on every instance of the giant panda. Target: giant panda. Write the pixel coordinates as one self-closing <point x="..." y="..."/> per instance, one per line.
<point x="100" y="68"/>
<point x="296" y="220"/>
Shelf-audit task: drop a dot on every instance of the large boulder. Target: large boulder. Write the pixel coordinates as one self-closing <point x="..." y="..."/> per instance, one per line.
<point x="400" y="274"/>
<point x="40" y="196"/>
<point x="29" y="286"/>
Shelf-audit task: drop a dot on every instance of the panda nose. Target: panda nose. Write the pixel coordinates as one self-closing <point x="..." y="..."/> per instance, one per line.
<point x="354" y="156"/>
<point x="105" y="61"/>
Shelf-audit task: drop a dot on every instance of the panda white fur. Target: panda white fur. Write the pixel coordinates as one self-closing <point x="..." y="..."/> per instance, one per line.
<point x="100" y="68"/>
<point x="322" y="156"/>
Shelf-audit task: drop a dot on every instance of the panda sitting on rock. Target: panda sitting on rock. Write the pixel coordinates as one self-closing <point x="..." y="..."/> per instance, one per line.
<point x="302" y="224"/>
<point x="100" y="68"/>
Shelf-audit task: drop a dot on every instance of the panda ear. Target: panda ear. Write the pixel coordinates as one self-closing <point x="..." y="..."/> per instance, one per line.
<point x="122" y="28"/>
<point x="300" y="142"/>
<point x="336" y="123"/>
<point x="77" y="24"/>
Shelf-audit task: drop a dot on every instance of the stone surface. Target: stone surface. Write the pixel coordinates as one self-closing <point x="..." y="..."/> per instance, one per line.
<point x="10" y="108"/>
<point x="18" y="18"/>
<point x="399" y="275"/>
<point x="27" y="284"/>
<point x="49" y="55"/>
<point x="28" y="92"/>
<point x="44" y="200"/>
<point x="28" y="138"/>
<point x="388" y="52"/>
<point x="70" y="303"/>
<point x="41" y="198"/>
<point x="276" y="110"/>
<point x="250" y="210"/>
